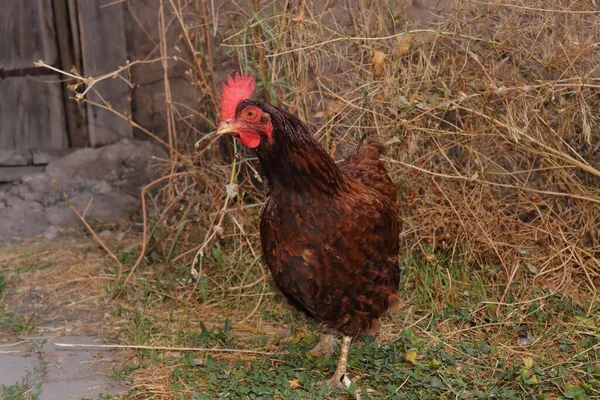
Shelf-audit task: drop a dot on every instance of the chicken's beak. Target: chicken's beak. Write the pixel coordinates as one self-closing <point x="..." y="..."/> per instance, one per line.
<point x="226" y="127"/>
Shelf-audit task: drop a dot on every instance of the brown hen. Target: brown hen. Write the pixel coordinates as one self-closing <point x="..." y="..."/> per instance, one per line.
<point x="329" y="232"/>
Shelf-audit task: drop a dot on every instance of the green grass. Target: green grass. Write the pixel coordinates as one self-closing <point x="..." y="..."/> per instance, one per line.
<point x="3" y="282"/>
<point x="10" y="320"/>
<point x="21" y="390"/>
<point x="18" y="323"/>
<point x="407" y="368"/>
<point x="457" y="343"/>
<point x="452" y="338"/>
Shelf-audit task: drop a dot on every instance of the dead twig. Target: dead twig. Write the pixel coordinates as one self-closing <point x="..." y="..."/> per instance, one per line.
<point x="159" y="348"/>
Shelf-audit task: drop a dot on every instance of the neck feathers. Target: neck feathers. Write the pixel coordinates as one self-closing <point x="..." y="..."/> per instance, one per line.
<point x="296" y="161"/>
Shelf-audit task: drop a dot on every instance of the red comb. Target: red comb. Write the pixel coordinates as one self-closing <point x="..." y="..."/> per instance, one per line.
<point x="237" y="89"/>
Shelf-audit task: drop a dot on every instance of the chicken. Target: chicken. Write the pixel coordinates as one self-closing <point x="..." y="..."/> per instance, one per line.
<point x="329" y="233"/>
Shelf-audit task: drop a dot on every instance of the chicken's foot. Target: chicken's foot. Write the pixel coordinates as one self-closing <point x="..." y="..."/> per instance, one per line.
<point x="325" y="347"/>
<point x="340" y="378"/>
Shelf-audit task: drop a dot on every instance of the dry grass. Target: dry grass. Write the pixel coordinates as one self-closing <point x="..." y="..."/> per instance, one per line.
<point x="491" y="119"/>
<point x="57" y="286"/>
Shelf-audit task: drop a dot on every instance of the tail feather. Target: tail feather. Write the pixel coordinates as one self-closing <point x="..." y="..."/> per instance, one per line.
<point x="366" y="166"/>
<point x="362" y="140"/>
<point x="370" y="147"/>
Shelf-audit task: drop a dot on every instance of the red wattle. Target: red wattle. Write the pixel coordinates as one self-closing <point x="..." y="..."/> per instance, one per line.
<point x="250" y="140"/>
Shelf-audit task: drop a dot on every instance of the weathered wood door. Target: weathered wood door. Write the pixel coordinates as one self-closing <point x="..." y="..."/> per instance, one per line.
<point x="38" y="120"/>
<point x="32" y="114"/>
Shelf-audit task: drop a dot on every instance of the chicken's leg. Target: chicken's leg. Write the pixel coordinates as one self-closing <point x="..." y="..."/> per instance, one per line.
<point x="325" y="347"/>
<point x="339" y="378"/>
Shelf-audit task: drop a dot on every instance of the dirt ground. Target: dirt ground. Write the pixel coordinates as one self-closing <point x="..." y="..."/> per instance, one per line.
<point x="51" y="291"/>
<point x="456" y="341"/>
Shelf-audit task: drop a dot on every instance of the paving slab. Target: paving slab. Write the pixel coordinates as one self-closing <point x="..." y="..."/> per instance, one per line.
<point x="64" y="373"/>
<point x="77" y="373"/>
<point x="16" y="362"/>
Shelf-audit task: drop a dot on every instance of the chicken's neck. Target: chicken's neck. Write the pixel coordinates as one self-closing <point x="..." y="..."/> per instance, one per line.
<point x="304" y="169"/>
<point x="297" y="163"/>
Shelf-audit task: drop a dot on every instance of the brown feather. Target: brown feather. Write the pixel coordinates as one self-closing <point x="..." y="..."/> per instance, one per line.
<point x="329" y="233"/>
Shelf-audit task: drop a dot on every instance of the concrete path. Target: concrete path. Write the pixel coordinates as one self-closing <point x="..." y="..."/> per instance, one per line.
<point x="55" y="373"/>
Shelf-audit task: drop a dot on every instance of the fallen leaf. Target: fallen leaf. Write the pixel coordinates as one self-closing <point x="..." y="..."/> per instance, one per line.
<point x="500" y="90"/>
<point x="532" y="269"/>
<point x="231" y="189"/>
<point x="294" y="383"/>
<point x="377" y="61"/>
<point x="403" y="43"/>
<point x="525" y="338"/>
<point x="411" y="356"/>
<point x="434" y="363"/>
<point x="331" y="107"/>
<point x="393" y="140"/>
<point x="403" y="102"/>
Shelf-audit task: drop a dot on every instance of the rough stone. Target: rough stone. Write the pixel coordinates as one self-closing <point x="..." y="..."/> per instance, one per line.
<point x="51" y="232"/>
<point x="103" y="183"/>
<point x="105" y="233"/>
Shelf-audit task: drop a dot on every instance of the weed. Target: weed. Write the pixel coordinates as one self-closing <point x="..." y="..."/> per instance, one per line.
<point x="3" y="283"/>
<point x="141" y="330"/>
<point x="22" y="390"/>
<point x="457" y="347"/>
<point x="17" y="323"/>
<point x="436" y="371"/>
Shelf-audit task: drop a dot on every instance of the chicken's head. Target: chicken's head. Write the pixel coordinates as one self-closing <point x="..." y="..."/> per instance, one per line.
<point x="242" y="117"/>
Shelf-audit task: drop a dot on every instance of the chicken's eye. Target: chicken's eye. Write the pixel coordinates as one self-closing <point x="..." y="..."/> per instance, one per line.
<point x="251" y="113"/>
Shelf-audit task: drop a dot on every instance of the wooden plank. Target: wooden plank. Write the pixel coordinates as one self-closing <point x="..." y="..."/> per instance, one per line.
<point x="148" y="96"/>
<point x="11" y="174"/>
<point x="74" y="21"/>
<point x="32" y="114"/>
<point x="104" y="49"/>
<point x="44" y="157"/>
<point x="27" y="34"/>
<point x="67" y="32"/>
<point x="13" y="158"/>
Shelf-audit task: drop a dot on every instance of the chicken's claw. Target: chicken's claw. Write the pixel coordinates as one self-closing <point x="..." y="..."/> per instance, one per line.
<point x="325" y="347"/>
<point x="339" y="382"/>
